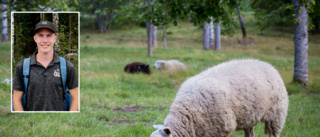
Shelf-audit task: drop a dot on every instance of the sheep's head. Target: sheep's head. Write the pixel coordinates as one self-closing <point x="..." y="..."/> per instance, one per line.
<point x="144" y="69"/>
<point x="158" y="64"/>
<point x="162" y="131"/>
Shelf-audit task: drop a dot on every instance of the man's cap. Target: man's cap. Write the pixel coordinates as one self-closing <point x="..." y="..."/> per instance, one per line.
<point x="45" y="24"/>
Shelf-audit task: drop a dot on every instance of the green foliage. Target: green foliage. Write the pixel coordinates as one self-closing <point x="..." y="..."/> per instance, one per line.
<point x="130" y="12"/>
<point x="163" y="12"/>
<point x="23" y="43"/>
<point x="271" y="13"/>
<point x="200" y="11"/>
<point x="314" y="13"/>
<point x="87" y="21"/>
<point x="41" y="5"/>
<point x="245" y="5"/>
<point x="68" y="43"/>
<point x="105" y="10"/>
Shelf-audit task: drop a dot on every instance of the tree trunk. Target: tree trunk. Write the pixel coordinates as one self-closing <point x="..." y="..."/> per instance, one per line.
<point x="55" y="21"/>
<point x="42" y="16"/>
<point x="153" y="29"/>
<point x="154" y="35"/>
<point x="101" y="19"/>
<point x="164" y="37"/>
<point x="110" y="21"/>
<point x="149" y="34"/>
<point x="205" y="36"/>
<point x="147" y="27"/>
<point x="244" y="34"/>
<point x="149" y="39"/>
<point x="211" y="31"/>
<point x="4" y="22"/>
<point x="301" y="43"/>
<point x="217" y="36"/>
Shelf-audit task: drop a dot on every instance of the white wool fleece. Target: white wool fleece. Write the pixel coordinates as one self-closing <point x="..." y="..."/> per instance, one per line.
<point x="170" y="65"/>
<point x="234" y="95"/>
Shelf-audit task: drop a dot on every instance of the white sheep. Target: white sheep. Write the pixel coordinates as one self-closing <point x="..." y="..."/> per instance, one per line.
<point x="231" y="96"/>
<point x="170" y="65"/>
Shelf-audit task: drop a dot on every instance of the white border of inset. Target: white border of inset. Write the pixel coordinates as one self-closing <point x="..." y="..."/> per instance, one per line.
<point x="12" y="39"/>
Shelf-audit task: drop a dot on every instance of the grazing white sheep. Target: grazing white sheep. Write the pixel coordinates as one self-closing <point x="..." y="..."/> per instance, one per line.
<point x="170" y="65"/>
<point x="231" y="96"/>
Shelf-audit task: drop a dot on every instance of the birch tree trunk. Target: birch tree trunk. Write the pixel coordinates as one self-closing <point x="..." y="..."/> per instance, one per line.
<point x="164" y="37"/>
<point x="149" y="39"/>
<point x="4" y="22"/>
<point x="244" y="33"/>
<point x="55" y="21"/>
<point x="153" y="29"/>
<point x="217" y="37"/>
<point x="154" y="35"/>
<point x="205" y="36"/>
<point x="42" y="16"/>
<point x="149" y="34"/>
<point x="211" y="31"/>
<point x="300" y="38"/>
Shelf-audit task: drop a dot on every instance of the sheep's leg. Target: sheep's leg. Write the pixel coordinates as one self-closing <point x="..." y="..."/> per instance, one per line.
<point x="271" y="129"/>
<point x="249" y="132"/>
<point x="275" y="120"/>
<point x="266" y="128"/>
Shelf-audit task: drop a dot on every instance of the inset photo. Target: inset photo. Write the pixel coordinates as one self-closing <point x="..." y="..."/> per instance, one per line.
<point x="45" y="62"/>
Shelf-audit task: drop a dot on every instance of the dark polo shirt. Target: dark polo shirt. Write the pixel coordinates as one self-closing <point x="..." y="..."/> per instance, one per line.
<point x="45" y="90"/>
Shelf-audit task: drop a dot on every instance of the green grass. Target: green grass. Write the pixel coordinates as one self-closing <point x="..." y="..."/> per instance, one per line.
<point x="117" y="104"/>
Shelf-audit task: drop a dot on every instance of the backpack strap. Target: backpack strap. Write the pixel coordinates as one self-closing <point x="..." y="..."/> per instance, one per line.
<point x="67" y="96"/>
<point x="63" y="70"/>
<point x="25" y="71"/>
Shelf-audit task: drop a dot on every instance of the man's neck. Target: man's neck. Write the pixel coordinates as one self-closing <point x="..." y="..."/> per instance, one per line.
<point x="44" y="58"/>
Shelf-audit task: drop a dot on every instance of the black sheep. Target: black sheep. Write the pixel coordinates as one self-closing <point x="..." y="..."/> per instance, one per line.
<point x="137" y="67"/>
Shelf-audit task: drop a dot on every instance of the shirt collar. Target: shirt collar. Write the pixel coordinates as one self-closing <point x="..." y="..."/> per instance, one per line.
<point x="33" y="60"/>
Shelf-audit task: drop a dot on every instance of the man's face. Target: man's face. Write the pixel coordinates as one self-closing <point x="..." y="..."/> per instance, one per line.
<point x="45" y="40"/>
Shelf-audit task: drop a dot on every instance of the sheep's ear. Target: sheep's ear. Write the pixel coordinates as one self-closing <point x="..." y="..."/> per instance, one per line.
<point x="167" y="131"/>
<point x="158" y="126"/>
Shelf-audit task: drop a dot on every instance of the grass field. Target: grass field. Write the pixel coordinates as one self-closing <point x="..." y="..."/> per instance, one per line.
<point x="117" y="104"/>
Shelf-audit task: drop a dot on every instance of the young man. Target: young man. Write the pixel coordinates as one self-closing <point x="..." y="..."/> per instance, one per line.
<point x="45" y="90"/>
